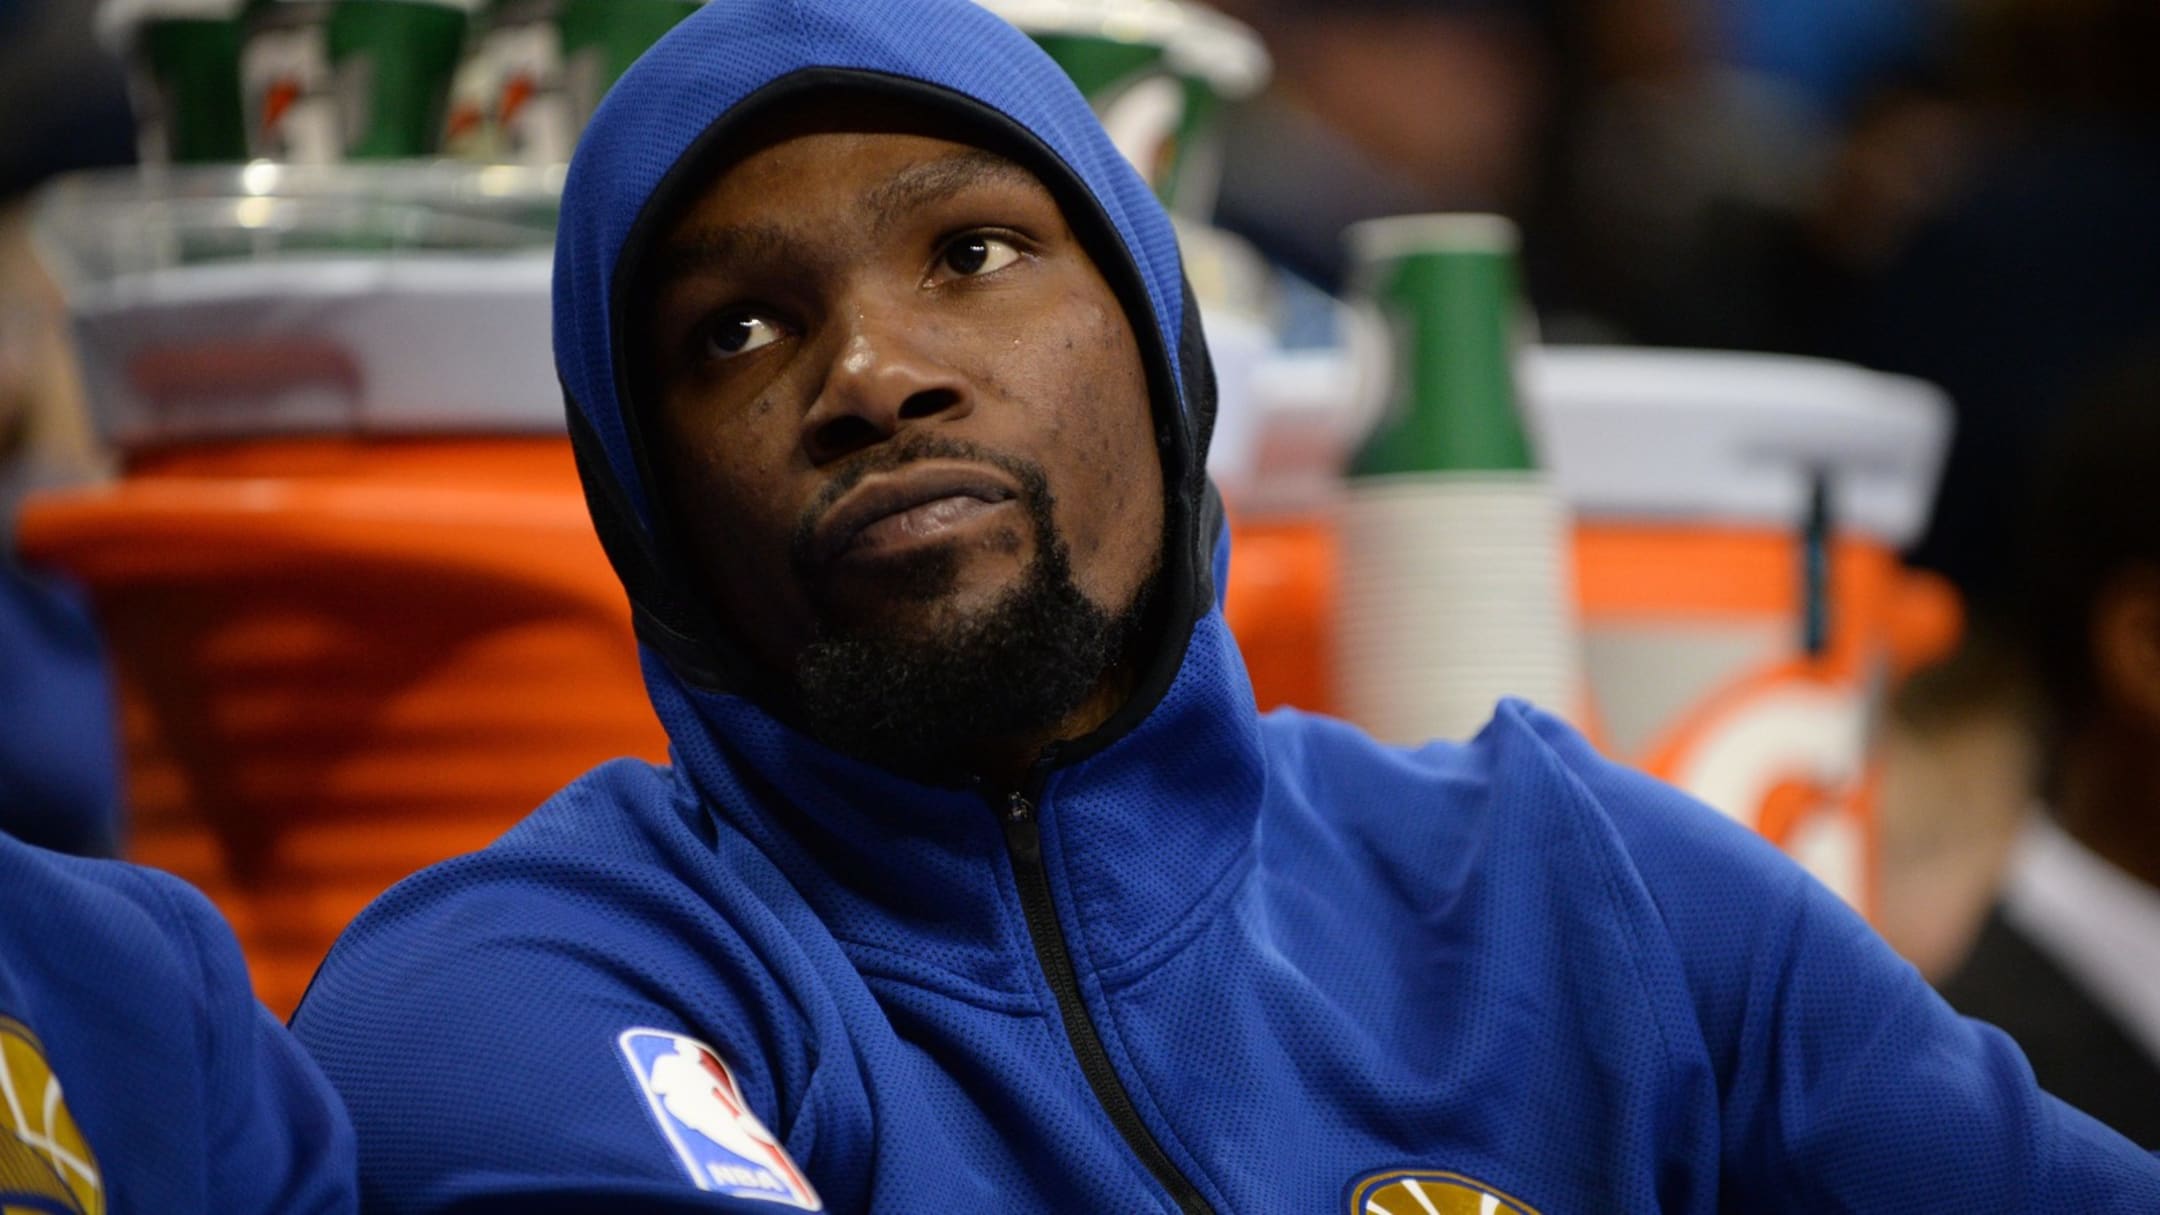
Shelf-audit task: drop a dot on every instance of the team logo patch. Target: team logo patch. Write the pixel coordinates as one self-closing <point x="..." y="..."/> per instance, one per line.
<point x="702" y="1113"/>
<point x="45" y="1164"/>
<point x="1426" y="1192"/>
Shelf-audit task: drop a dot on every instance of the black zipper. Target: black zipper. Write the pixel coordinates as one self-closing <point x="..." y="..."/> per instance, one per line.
<point x="1023" y="843"/>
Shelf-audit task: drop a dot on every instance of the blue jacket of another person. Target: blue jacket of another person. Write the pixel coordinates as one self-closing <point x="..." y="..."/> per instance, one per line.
<point x="1207" y="961"/>
<point x="59" y="755"/>
<point x="138" y="1076"/>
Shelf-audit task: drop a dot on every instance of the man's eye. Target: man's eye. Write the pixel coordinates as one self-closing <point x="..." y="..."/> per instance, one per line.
<point x="738" y="333"/>
<point x="977" y="254"/>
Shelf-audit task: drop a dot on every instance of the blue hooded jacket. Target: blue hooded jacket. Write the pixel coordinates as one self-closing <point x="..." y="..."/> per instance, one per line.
<point x="1208" y="961"/>
<point x="59" y="760"/>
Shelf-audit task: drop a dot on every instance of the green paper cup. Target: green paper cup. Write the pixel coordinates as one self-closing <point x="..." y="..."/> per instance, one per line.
<point x="1446" y="285"/>
<point x="183" y="62"/>
<point x="325" y="81"/>
<point x="1158" y="74"/>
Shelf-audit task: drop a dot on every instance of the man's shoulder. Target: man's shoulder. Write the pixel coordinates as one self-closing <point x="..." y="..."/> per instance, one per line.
<point x="612" y="853"/>
<point x="1529" y="807"/>
<point x="624" y="809"/>
<point x="1526" y="766"/>
<point x="476" y="1018"/>
<point x="624" y="815"/>
<point x="617" y="893"/>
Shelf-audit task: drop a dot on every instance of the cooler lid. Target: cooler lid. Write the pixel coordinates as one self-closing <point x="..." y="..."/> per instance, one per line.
<point x="262" y="299"/>
<point x="1719" y="436"/>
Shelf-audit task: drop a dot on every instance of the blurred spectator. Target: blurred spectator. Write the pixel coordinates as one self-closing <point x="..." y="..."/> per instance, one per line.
<point x="2069" y="960"/>
<point x="61" y="106"/>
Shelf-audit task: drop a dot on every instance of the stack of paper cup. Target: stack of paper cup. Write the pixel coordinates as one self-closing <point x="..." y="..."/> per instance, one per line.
<point x="1454" y="596"/>
<point x="536" y="71"/>
<point x="326" y="81"/>
<point x="1454" y="584"/>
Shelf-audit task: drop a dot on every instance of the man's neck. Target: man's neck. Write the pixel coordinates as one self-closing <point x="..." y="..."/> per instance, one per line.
<point x="1007" y="764"/>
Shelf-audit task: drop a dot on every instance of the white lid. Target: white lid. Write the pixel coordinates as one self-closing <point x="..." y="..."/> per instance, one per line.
<point x="1718" y="436"/>
<point x="1378" y="240"/>
<point x="1198" y="41"/>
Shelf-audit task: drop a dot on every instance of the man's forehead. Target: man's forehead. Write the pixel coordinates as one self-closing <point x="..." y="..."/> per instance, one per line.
<point x="748" y="204"/>
<point x="869" y="126"/>
<point x="932" y="180"/>
<point x="887" y="174"/>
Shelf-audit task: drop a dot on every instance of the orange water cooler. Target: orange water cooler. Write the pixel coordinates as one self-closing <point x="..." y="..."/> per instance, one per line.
<point x="356" y="611"/>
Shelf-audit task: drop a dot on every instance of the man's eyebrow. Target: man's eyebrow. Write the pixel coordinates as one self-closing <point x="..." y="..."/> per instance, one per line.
<point x="921" y="185"/>
<point x="703" y="249"/>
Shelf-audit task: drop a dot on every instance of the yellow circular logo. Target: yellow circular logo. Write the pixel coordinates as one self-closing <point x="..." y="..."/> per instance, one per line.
<point x="1412" y="1192"/>
<point x="46" y="1167"/>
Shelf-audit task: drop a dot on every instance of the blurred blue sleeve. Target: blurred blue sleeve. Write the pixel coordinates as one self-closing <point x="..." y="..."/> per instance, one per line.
<point x="59" y="752"/>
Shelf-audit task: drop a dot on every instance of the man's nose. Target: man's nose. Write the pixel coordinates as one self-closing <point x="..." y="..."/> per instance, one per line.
<point x="881" y="380"/>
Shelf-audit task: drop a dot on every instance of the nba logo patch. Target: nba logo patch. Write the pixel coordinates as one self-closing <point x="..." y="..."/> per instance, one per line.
<point x="702" y="1114"/>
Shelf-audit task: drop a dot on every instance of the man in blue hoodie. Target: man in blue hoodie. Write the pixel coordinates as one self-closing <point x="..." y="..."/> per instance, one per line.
<point x="977" y="882"/>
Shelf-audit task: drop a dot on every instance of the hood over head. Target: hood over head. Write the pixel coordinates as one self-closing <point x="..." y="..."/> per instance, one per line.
<point x="669" y="126"/>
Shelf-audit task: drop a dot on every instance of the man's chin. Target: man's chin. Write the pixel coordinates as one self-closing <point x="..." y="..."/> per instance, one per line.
<point x="925" y="689"/>
<point x="931" y="594"/>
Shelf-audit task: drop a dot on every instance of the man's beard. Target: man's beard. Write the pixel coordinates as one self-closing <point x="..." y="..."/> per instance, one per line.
<point x="936" y="705"/>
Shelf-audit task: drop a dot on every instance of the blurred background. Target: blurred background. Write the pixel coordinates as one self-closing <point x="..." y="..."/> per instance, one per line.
<point x="1766" y="384"/>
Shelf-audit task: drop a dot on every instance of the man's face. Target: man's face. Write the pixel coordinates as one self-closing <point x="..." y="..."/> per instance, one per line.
<point x="884" y="363"/>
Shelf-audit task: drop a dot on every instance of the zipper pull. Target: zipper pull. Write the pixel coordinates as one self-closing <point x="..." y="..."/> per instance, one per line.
<point x="1023" y="837"/>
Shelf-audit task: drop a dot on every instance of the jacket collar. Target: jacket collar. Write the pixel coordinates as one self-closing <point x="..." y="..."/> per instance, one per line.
<point x="1137" y="835"/>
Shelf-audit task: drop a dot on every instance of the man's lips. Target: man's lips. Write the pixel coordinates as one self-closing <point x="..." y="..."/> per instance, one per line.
<point x="915" y="503"/>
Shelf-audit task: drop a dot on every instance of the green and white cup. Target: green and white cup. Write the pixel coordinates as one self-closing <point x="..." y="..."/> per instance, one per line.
<point x="1448" y="290"/>
<point x="1158" y="73"/>
<point x="1455" y="587"/>
<point x="183" y="63"/>
<point x="325" y="81"/>
<point x="539" y="68"/>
